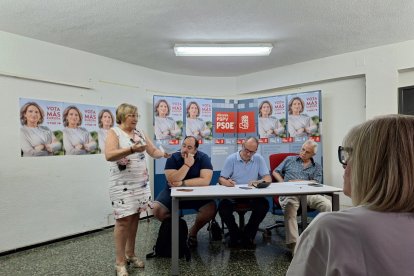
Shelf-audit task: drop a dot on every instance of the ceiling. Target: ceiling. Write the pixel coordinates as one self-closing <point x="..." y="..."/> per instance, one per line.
<point x="144" y="32"/>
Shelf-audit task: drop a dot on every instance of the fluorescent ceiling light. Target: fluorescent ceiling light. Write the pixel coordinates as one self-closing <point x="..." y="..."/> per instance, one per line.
<point x="248" y="49"/>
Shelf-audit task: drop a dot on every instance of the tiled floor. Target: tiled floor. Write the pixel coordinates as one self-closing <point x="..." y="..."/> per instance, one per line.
<point x="93" y="254"/>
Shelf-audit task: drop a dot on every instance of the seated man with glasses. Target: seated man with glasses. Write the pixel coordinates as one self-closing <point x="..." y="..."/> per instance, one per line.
<point x="299" y="168"/>
<point x="243" y="167"/>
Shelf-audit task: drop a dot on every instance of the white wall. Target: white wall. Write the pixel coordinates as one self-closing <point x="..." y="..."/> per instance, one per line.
<point x="381" y="67"/>
<point x="47" y="198"/>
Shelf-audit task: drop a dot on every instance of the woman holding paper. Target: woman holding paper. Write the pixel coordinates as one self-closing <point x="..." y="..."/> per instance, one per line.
<point x="129" y="190"/>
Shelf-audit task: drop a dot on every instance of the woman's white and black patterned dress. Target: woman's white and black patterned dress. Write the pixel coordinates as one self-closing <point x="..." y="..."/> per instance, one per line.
<point x="129" y="190"/>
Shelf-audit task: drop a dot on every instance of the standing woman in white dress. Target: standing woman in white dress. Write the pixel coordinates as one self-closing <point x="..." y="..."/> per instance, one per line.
<point x="299" y="124"/>
<point x="165" y="127"/>
<point x="36" y="140"/>
<point x="129" y="190"/>
<point x="106" y="121"/>
<point x="194" y="125"/>
<point x="268" y="126"/>
<point x="76" y="140"/>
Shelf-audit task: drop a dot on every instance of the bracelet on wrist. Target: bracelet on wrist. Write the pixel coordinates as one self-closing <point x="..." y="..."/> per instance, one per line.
<point x="187" y="165"/>
<point x="183" y="183"/>
<point x="130" y="148"/>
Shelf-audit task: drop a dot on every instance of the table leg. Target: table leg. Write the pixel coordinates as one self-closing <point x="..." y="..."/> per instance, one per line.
<point x="174" y="236"/>
<point x="335" y="202"/>
<point x="304" y="206"/>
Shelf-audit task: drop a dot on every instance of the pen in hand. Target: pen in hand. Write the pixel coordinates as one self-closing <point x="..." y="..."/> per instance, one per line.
<point x="230" y="182"/>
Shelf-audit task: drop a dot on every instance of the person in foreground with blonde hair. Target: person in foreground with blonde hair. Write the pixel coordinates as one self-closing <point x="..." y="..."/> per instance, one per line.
<point x="376" y="236"/>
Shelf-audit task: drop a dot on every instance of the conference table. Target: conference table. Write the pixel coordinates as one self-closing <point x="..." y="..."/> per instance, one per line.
<point x="300" y="188"/>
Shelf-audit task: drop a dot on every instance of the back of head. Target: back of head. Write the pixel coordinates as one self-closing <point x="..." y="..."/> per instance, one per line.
<point x="382" y="163"/>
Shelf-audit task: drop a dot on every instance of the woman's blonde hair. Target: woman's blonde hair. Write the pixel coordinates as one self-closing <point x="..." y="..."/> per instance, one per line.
<point x="382" y="163"/>
<point x="123" y="110"/>
<point x="66" y="113"/>
<point x="23" y="111"/>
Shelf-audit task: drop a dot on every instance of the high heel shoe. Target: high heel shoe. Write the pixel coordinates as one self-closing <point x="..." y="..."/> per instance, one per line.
<point x="120" y="270"/>
<point x="135" y="261"/>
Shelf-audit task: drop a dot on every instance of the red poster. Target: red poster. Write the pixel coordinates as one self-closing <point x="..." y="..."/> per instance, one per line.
<point x="246" y="122"/>
<point x="219" y="141"/>
<point x="225" y="122"/>
<point x="263" y="140"/>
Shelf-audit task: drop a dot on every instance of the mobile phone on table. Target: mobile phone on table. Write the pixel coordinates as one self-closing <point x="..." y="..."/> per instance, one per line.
<point x="315" y="184"/>
<point x="245" y="188"/>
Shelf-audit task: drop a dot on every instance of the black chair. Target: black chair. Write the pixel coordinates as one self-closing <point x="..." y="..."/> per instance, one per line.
<point x="241" y="209"/>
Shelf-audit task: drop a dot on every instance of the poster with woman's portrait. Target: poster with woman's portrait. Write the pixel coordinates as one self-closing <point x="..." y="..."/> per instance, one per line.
<point x="272" y="117"/>
<point x="304" y="115"/>
<point x="105" y="121"/>
<point x="199" y="113"/>
<point x="168" y="122"/>
<point x="79" y="129"/>
<point x="40" y="128"/>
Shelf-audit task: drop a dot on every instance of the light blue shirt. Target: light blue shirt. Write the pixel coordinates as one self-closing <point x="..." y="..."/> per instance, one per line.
<point x="243" y="172"/>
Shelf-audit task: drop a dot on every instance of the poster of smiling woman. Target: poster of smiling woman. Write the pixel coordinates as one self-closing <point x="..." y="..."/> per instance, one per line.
<point x="79" y="132"/>
<point x="168" y="122"/>
<point x="106" y="120"/>
<point x="199" y="118"/>
<point x="304" y="116"/>
<point x="40" y="131"/>
<point x="272" y="117"/>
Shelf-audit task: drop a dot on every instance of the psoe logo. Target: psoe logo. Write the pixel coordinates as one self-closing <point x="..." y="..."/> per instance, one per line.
<point x="244" y="124"/>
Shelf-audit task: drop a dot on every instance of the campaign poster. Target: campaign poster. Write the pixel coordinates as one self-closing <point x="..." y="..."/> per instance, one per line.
<point x="40" y="128"/>
<point x="199" y="121"/>
<point x="246" y="119"/>
<point x="168" y="122"/>
<point x="80" y="127"/>
<point x="224" y="120"/>
<point x="224" y="131"/>
<point x="304" y="116"/>
<point x="271" y="119"/>
<point x="105" y="120"/>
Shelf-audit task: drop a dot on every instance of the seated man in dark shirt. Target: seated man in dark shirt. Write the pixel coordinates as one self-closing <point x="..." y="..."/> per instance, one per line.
<point x="189" y="167"/>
